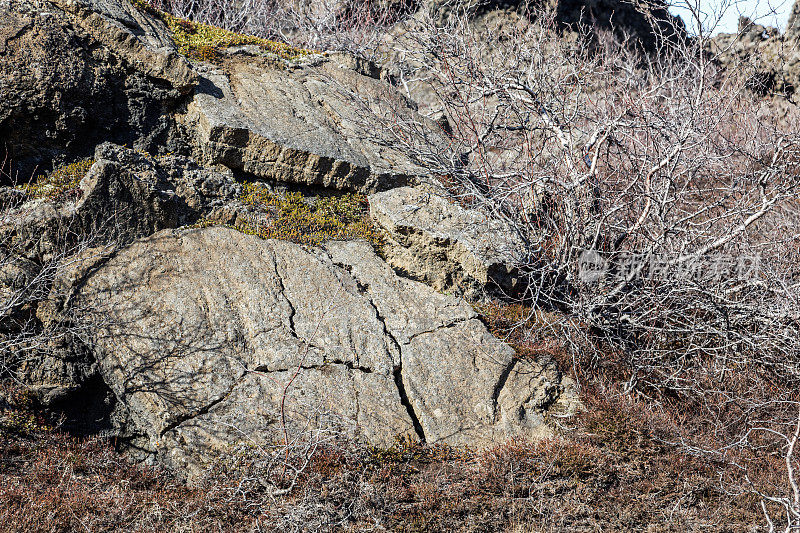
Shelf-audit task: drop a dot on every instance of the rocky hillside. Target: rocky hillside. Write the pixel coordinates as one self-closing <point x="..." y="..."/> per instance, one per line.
<point x="770" y="59"/>
<point x="207" y="335"/>
<point x="219" y="254"/>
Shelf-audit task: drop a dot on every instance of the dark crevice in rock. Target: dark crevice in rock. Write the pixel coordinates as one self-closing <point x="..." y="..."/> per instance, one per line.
<point x="292" y="310"/>
<point x="363" y="288"/>
<point x="398" y="369"/>
<point x="501" y="382"/>
<point x="401" y="389"/>
<point x="88" y="410"/>
<point x="349" y="364"/>
<point x="352" y="366"/>
<point x="203" y="410"/>
<point x="444" y="326"/>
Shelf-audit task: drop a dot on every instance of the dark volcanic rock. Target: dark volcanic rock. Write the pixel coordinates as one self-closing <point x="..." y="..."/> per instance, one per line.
<point x="68" y="81"/>
<point x="639" y="24"/>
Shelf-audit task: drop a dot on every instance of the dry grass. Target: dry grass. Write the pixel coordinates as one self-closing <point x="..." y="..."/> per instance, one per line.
<point x="614" y="472"/>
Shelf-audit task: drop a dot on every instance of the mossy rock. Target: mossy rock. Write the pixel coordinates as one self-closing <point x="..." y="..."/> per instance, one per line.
<point x="204" y="42"/>
<point x="290" y="216"/>
<point x="60" y="183"/>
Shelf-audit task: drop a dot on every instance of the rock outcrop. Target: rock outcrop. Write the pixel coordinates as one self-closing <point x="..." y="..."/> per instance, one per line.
<point x="202" y="332"/>
<point x="451" y="248"/>
<point x="793" y="25"/>
<point x="771" y="60"/>
<point x="638" y="22"/>
<point x="124" y="195"/>
<point x="190" y="340"/>
<point x="87" y="71"/>
<point x="72" y="79"/>
<point x="143" y="43"/>
<point x="302" y="124"/>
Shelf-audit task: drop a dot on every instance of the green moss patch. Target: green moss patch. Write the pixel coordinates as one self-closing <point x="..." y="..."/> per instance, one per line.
<point x="203" y="42"/>
<point x="59" y="183"/>
<point x="292" y="217"/>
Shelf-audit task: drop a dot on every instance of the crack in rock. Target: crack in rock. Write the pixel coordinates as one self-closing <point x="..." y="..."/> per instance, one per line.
<point x="397" y="370"/>
<point x="501" y="382"/>
<point x="200" y="412"/>
<point x="406" y="402"/>
<point x="292" y="310"/>
<point x="348" y="364"/>
<point x="450" y="325"/>
<point x="363" y="288"/>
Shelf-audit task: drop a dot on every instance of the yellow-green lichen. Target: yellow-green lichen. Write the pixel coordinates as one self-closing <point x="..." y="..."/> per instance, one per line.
<point x="289" y="216"/>
<point x="204" y="42"/>
<point x="59" y="183"/>
<point x="292" y="217"/>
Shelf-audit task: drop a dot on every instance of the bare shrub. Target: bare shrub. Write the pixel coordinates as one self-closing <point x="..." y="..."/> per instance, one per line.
<point x="27" y="282"/>
<point x="657" y="199"/>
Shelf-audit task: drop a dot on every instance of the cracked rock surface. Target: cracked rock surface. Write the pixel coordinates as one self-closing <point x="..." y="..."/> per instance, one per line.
<point x="199" y="332"/>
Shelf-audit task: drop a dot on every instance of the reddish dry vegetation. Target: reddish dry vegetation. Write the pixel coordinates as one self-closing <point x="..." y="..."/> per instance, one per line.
<point x="612" y="472"/>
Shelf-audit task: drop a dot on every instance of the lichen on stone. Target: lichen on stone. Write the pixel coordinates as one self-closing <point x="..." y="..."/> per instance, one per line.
<point x="290" y="216"/>
<point x="58" y="183"/>
<point x="204" y="42"/>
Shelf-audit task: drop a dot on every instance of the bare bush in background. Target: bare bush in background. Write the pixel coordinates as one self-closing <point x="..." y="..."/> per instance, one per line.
<point x="657" y="197"/>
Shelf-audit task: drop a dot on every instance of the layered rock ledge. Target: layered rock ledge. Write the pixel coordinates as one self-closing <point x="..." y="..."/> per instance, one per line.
<point x="435" y="240"/>
<point x="302" y="124"/>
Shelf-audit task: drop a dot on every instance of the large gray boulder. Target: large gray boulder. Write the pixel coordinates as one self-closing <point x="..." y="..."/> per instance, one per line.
<point x="309" y="124"/>
<point x="449" y="247"/>
<point x="203" y="333"/>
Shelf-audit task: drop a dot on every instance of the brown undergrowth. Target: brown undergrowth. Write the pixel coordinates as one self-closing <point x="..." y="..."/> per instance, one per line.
<point x="613" y="471"/>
